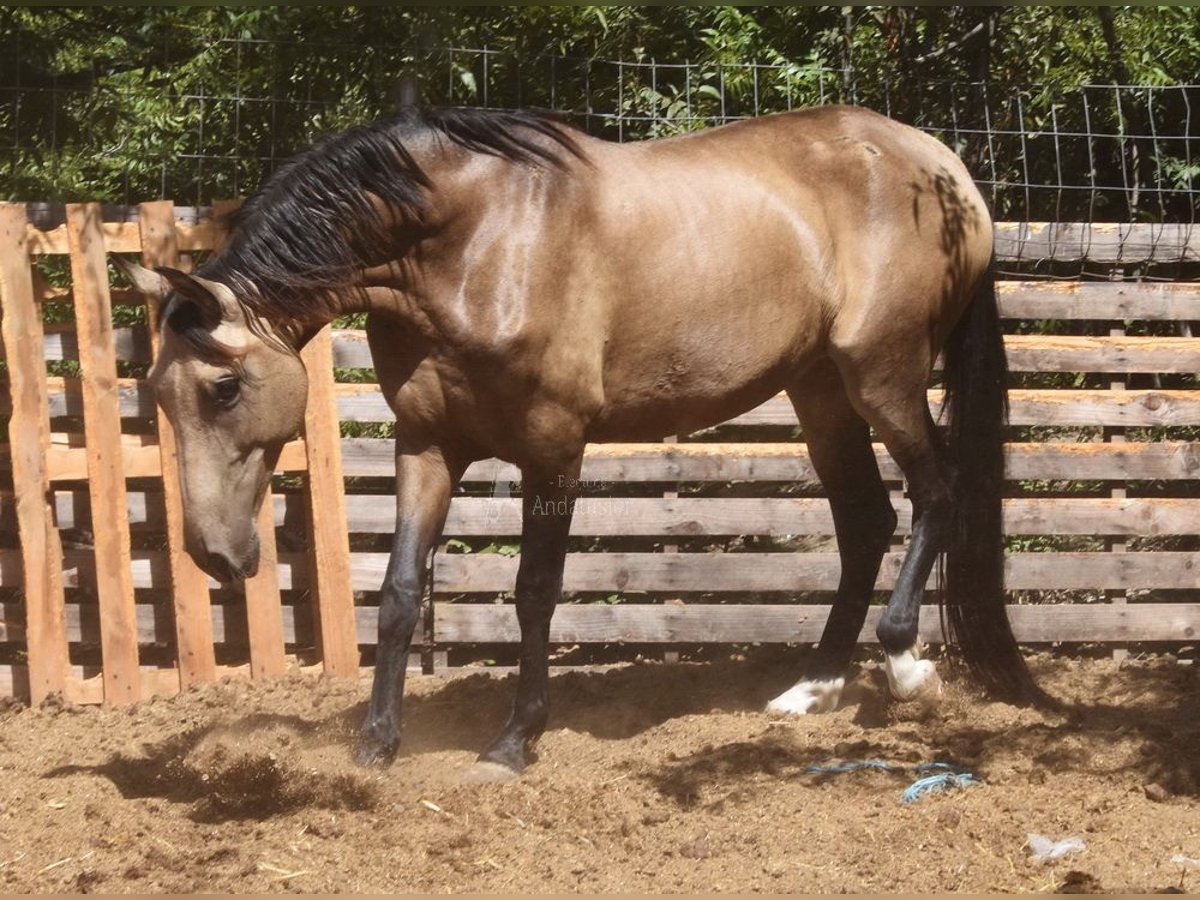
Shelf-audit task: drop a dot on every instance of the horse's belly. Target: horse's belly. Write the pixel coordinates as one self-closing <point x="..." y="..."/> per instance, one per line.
<point x="653" y="415"/>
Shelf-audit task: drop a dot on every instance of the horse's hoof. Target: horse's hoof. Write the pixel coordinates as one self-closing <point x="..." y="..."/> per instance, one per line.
<point x="485" y="771"/>
<point x="910" y="678"/>
<point x="808" y="698"/>
<point x="373" y="753"/>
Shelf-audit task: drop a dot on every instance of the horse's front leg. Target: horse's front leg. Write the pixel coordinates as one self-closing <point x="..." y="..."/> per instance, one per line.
<point x="548" y="502"/>
<point x="424" y="482"/>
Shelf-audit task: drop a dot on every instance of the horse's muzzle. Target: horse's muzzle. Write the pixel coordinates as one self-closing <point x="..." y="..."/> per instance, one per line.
<point x="225" y="569"/>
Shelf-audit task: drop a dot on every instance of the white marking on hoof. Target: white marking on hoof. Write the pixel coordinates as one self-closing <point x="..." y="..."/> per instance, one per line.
<point x="808" y="698"/>
<point x="487" y="772"/>
<point x="908" y="676"/>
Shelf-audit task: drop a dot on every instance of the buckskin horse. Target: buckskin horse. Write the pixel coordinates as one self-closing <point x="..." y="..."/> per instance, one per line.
<point x="531" y="289"/>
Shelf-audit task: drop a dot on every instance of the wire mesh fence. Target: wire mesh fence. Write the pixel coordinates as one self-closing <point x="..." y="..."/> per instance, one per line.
<point x="1091" y="153"/>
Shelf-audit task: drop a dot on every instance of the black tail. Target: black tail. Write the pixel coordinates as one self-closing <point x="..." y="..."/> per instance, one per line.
<point x="975" y="379"/>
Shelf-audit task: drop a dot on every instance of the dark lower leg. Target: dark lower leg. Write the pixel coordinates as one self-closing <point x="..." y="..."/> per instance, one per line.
<point x="839" y="444"/>
<point x="547" y="509"/>
<point x="423" y="486"/>
<point x="897" y="628"/>
<point x="863" y="530"/>
<point x="932" y="520"/>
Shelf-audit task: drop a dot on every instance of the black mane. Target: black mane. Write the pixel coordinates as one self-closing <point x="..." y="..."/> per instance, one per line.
<point x="312" y="224"/>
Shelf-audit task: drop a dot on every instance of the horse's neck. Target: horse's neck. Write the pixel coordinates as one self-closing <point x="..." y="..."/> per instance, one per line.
<point x="399" y="287"/>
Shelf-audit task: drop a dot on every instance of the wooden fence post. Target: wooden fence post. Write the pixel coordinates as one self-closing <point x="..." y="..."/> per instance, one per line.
<point x="264" y="608"/>
<point x="329" y="539"/>
<point x="189" y="585"/>
<point x="106" y="473"/>
<point x="29" y="440"/>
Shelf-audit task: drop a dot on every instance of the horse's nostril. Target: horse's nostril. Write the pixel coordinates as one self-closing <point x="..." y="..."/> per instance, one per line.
<point x="219" y="567"/>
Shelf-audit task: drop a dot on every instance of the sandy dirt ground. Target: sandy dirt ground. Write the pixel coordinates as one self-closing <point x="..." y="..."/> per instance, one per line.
<point x="651" y="778"/>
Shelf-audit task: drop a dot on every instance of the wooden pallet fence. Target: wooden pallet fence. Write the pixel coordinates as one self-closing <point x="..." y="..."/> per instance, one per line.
<point x="83" y="448"/>
<point x="28" y="449"/>
<point x="91" y="597"/>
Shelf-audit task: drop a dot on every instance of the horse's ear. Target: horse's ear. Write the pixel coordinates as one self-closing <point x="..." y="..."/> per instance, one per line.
<point x="215" y="300"/>
<point x="149" y="283"/>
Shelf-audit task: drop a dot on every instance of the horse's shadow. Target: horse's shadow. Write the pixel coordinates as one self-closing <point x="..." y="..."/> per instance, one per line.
<point x="231" y="782"/>
<point x="1151" y="735"/>
<point x="1155" y="707"/>
<point x="618" y="703"/>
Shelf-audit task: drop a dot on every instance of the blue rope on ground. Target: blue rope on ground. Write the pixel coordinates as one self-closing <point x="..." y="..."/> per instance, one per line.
<point x="935" y="776"/>
<point x="851" y="766"/>
<point x="932" y="784"/>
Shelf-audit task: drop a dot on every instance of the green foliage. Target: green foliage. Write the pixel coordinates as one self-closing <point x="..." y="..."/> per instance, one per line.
<point x="195" y="103"/>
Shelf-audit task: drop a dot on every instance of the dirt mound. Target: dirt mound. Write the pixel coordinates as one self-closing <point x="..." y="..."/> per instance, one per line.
<point x="650" y="778"/>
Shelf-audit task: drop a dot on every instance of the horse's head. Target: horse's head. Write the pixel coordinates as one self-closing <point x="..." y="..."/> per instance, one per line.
<point x="234" y="394"/>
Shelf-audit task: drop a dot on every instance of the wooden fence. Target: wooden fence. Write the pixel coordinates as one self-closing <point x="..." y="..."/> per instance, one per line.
<point x="708" y="538"/>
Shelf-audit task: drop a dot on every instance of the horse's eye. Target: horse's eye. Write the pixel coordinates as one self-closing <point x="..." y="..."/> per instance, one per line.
<point x="226" y="390"/>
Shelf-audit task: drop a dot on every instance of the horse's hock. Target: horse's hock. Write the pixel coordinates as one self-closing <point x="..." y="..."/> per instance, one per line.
<point x="720" y="537"/>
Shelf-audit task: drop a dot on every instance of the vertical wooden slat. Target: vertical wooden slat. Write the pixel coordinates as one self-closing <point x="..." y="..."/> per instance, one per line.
<point x="1118" y="489"/>
<point x="29" y="440"/>
<point x="671" y="657"/>
<point x="329" y="539"/>
<point x="189" y="585"/>
<point x="264" y="610"/>
<point x="106" y="476"/>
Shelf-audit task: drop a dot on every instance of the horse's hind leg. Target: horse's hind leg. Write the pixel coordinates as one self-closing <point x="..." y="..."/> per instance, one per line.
<point x="547" y="506"/>
<point x="839" y="444"/>
<point x="891" y="395"/>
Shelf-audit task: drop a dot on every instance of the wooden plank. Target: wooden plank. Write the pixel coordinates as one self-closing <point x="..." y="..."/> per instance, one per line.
<point x="189" y="587"/>
<point x="1026" y="353"/>
<point x="114" y="585"/>
<point x="461" y="573"/>
<point x="29" y="439"/>
<point x="131" y="343"/>
<point x="1092" y="408"/>
<point x="119" y="237"/>
<point x="789" y="462"/>
<point x="329" y="541"/>
<point x="264" y="609"/>
<point x="1098" y="242"/>
<point x="781" y="517"/>
<point x="154" y="627"/>
<point x="785" y="623"/>
<point x="84" y="688"/>
<point x="1078" y="300"/>
<point x="695" y="462"/>
<point x="703" y="516"/>
<point x="750" y="623"/>
<point x="1085" y="408"/>
<point x="1114" y="353"/>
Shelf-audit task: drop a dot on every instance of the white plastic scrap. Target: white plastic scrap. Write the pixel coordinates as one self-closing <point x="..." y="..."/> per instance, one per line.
<point x="1046" y="850"/>
<point x="1189" y="862"/>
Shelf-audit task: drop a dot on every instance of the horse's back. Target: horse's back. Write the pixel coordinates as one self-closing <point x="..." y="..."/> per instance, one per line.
<point x="729" y="257"/>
